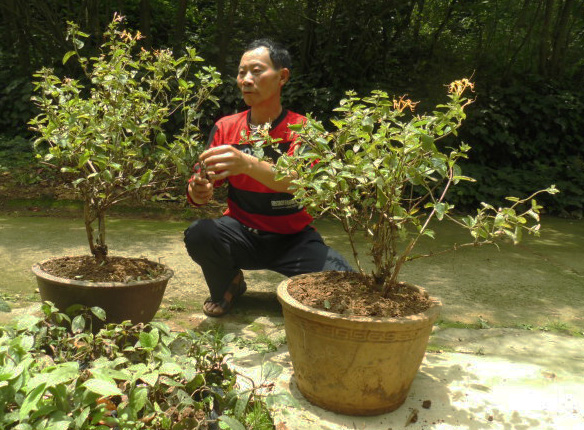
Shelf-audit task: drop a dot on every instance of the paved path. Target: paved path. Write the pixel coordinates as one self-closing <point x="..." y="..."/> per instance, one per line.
<point x="489" y="379"/>
<point x="496" y="378"/>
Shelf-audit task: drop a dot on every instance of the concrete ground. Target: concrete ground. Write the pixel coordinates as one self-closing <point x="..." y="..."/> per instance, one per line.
<point x="509" y="353"/>
<point x="488" y="379"/>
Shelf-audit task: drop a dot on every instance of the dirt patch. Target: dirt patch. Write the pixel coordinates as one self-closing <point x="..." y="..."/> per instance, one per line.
<point x="115" y="269"/>
<point x="349" y="293"/>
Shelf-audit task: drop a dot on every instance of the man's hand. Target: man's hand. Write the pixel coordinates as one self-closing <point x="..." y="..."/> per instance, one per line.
<point x="225" y="160"/>
<point x="200" y="189"/>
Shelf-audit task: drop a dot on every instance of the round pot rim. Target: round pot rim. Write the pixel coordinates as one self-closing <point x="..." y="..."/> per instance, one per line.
<point x="38" y="271"/>
<point x="430" y="313"/>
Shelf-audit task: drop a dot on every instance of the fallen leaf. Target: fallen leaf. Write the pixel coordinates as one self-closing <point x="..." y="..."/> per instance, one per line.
<point x="412" y="418"/>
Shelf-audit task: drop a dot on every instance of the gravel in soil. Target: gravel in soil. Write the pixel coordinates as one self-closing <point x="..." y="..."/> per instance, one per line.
<point x="349" y="293"/>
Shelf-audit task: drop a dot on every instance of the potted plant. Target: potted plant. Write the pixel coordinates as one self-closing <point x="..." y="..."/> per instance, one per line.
<point x="384" y="172"/>
<point x="107" y="132"/>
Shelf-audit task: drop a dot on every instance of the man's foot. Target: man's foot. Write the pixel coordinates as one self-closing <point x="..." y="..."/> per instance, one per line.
<point x="217" y="309"/>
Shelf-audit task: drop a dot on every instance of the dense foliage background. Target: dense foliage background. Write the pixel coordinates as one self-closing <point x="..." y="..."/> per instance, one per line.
<point x="526" y="57"/>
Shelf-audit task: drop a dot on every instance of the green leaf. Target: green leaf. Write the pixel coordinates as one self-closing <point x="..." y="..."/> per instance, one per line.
<point x="26" y="322"/>
<point x="227" y="422"/>
<point x="271" y="371"/>
<point x="552" y="189"/>
<point x="146" y="177"/>
<point x="281" y="399"/>
<point x="228" y="338"/>
<point x="78" y="324"/>
<point x="107" y="175"/>
<point x="67" y="56"/>
<point x="138" y="398"/>
<point x="82" y="417"/>
<point x="241" y="405"/>
<point x="98" y="312"/>
<point x="170" y="369"/>
<point x="430" y="233"/>
<point x="59" y="421"/>
<point x="149" y="340"/>
<point x="150" y="378"/>
<point x="441" y="209"/>
<point x="106" y="373"/>
<point x="367" y="124"/>
<point x="31" y="401"/>
<point x="53" y="376"/>
<point x="102" y="387"/>
<point x="427" y="142"/>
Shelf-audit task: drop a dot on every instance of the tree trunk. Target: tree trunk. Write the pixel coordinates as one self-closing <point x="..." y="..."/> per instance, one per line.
<point x="544" y="41"/>
<point x="94" y="24"/>
<point x="309" y="37"/>
<point x="91" y="214"/>
<point x="418" y="21"/>
<point x="17" y="25"/>
<point x="225" y="17"/>
<point x="405" y="22"/>
<point x="145" y="23"/>
<point x="561" y="38"/>
<point x="441" y="27"/>
<point x="179" y="29"/>
<point x="521" y="21"/>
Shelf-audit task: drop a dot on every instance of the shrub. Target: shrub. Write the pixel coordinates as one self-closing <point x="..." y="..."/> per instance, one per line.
<point x="54" y="374"/>
<point x="107" y="135"/>
<point x="385" y="173"/>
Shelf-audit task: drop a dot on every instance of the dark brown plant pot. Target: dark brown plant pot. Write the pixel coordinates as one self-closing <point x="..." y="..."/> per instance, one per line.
<point x="137" y="301"/>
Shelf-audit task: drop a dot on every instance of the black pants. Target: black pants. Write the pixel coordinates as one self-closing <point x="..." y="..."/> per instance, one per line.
<point x="223" y="246"/>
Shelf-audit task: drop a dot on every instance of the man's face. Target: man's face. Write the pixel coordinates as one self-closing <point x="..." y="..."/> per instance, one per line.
<point x="259" y="81"/>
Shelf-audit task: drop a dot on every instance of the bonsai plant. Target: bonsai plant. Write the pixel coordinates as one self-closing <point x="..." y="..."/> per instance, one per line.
<point x="383" y="172"/>
<point x="107" y="133"/>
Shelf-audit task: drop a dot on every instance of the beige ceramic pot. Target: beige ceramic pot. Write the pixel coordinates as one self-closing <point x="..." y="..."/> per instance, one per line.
<point x="355" y="365"/>
<point x="137" y="301"/>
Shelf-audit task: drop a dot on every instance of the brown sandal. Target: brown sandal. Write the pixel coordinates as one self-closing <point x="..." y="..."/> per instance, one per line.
<point x="234" y="291"/>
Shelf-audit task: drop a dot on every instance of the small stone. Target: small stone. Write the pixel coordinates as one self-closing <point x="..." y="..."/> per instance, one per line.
<point x="426" y="404"/>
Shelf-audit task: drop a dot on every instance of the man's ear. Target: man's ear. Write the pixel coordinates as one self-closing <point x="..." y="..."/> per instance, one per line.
<point x="284" y="75"/>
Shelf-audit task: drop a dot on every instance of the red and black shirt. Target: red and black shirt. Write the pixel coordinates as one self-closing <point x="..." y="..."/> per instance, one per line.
<point x="249" y="201"/>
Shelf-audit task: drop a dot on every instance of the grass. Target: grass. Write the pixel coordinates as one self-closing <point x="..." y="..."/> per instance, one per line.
<point x="262" y="343"/>
<point x="439" y="348"/>
<point x="550" y="326"/>
<point x="19" y="298"/>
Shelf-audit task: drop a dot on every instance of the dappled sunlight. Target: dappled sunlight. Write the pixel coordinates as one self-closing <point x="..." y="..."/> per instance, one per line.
<point x="487" y="391"/>
<point x="459" y="391"/>
<point x="528" y="283"/>
<point x="513" y="285"/>
<point x="556" y="354"/>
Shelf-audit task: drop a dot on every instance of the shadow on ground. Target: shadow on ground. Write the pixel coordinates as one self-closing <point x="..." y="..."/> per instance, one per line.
<point x="537" y="283"/>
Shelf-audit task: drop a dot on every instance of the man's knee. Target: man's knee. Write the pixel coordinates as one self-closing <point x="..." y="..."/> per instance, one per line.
<point x="199" y="236"/>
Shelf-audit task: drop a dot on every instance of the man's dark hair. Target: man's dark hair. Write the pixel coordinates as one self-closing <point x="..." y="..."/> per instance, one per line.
<point x="278" y="54"/>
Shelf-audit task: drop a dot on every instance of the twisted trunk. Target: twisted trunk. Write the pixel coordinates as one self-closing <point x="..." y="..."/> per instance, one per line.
<point x="97" y="244"/>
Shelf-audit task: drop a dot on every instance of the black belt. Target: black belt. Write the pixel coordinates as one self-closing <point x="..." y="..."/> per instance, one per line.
<point x="255" y="230"/>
